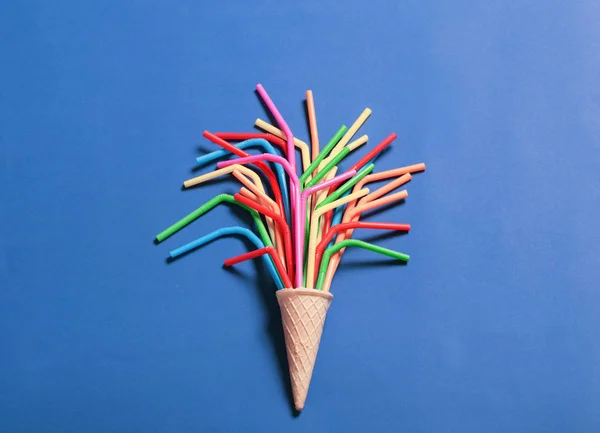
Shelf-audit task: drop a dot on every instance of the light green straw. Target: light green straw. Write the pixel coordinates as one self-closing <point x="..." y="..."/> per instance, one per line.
<point x="323" y="154"/>
<point x="354" y="243"/>
<point x="208" y="206"/>
<point x="334" y="161"/>
<point x="346" y="186"/>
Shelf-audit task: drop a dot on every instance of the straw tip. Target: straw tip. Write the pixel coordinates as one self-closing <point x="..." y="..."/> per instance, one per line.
<point x="299" y="406"/>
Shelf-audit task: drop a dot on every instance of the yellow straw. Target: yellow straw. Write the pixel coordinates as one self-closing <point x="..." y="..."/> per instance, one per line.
<point x="217" y="173"/>
<point x="358" y="142"/>
<point x="314" y="225"/>
<point x="304" y="150"/>
<point x="350" y="133"/>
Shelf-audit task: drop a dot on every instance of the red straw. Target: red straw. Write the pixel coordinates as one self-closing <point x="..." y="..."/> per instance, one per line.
<point x="353" y="225"/>
<point x="374" y="152"/>
<point x="241" y="136"/>
<point x="257" y="253"/>
<point x="289" y="259"/>
<point x="264" y="167"/>
<point x="360" y="164"/>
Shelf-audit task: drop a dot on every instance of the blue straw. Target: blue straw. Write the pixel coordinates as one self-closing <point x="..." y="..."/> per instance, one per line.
<point x="268" y="148"/>
<point x="226" y="231"/>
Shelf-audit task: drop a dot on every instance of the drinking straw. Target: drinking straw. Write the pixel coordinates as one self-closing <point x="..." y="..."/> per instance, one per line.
<point x="351" y="215"/>
<point x="312" y="237"/>
<point x="262" y="197"/>
<point x="415" y="168"/>
<point x="304" y="150"/>
<point x="291" y="156"/>
<point x="354" y="243"/>
<point x="243" y="136"/>
<point x="264" y="167"/>
<point x="374" y="152"/>
<point x="369" y="157"/>
<point x="323" y="154"/>
<point x="257" y="253"/>
<point x="244" y="142"/>
<point x="252" y="141"/>
<point x="247" y="193"/>
<point x="347" y="185"/>
<point x="312" y="121"/>
<point x="332" y="163"/>
<point x="298" y="239"/>
<point x="359" y="142"/>
<point x="218" y="173"/>
<point x="344" y="189"/>
<point x="319" y="197"/>
<point x="255" y="190"/>
<point x="209" y="205"/>
<point x="308" y="191"/>
<point x="226" y="231"/>
<point x="350" y="133"/>
<point x="287" y="237"/>
<point x="318" y="251"/>
<point x="390" y="186"/>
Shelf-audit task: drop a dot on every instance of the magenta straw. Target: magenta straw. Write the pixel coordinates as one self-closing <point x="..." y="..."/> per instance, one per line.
<point x="298" y="236"/>
<point x="291" y="153"/>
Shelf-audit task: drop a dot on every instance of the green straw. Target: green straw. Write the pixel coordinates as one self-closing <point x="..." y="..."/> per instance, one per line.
<point x="334" y="140"/>
<point x="334" y="161"/>
<point x="354" y="243"/>
<point x="346" y="186"/>
<point x="208" y="206"/>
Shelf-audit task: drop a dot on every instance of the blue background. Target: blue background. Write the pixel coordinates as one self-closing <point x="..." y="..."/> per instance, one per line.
<point x="493" y="326"/>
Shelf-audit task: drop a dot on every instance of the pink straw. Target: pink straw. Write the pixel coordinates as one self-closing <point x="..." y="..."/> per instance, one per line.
<point x="291" y="154"/>
<point x="298" y="236"/>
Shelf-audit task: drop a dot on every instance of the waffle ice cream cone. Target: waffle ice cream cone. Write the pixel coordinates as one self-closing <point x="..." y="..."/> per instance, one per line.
<point x="303" y="314"/>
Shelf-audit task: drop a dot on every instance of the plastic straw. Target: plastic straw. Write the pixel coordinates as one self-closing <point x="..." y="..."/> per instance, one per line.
<point x="314" y="225"/>
<point x="304" y="149"/>
<point x="226" y="231"/>
<point x="261" y="165"/>
<point x="298" y="239"/>
<point x="360" y="141"/>
<point x="252" y="142"/>
<point x="312" y="121"/>
<point x="346" y="186"/>
<point x="332" y="163"/>
<point x="209" y="205"/>
<point x="353" y="129"/>
<point x="291" y="156"/>
<point x="351" y="215"/>
<point x="257" y="253"/>
<point x="318" y="251"/>
<point x="308" y="191"/>
<point x="390" y="186"/>
<point x="287" y="237"/>
<point x="323" y="154"/>
<point x="355" y="243"/>
<point x="276" y="234"/>
<point x="374" y="152"/>
<point x="415" y="168"/>
<point x="218" y="173"/>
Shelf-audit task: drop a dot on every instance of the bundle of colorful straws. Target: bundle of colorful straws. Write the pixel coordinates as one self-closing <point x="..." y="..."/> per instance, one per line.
<point x="321" y="208"/>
